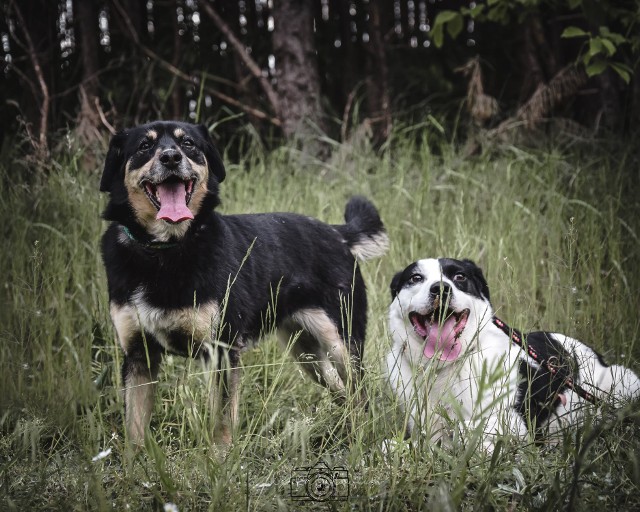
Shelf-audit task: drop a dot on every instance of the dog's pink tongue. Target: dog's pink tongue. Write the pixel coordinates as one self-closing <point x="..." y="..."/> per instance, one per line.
<point x="442" y="339"/>
<point x="173" y="203"/>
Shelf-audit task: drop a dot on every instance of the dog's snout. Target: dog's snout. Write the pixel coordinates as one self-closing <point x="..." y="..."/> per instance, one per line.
<point x="170" y="158"/>
<point x="440" y="289"/>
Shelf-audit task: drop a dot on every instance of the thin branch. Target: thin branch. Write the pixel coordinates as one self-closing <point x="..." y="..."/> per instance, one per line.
<point x="241" y="51"/>
<point x="103" y="118"/>
<point x="34" y="90"/>
<point x="184" y="76"/>
<point x="249" y="110"/>
<point x="346" y="113"/>
<point x="43" y="147"/>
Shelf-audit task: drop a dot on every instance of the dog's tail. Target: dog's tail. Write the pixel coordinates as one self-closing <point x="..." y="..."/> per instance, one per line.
<point x="364" y="231"/>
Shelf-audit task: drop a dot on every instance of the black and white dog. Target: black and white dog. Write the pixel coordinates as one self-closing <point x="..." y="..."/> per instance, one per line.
<point x="183" y="278"/>
<point x="452" y="361"/>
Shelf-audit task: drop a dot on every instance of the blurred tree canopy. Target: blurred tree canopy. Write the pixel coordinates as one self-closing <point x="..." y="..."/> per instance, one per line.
<point x="294" y="68"/>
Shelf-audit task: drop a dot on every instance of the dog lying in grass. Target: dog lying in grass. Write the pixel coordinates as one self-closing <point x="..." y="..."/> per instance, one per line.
<point x="453" y="360"/>
<point x="185" y="279"/>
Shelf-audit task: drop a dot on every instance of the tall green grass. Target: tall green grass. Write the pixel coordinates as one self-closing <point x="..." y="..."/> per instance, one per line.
<point x="555" y="231"/>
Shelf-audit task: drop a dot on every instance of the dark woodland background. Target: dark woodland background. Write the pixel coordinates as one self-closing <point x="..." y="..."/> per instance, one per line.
<point x="331" y="69"/>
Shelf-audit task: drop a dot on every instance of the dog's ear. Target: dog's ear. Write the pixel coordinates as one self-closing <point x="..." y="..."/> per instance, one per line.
<point x="114" y="163"/>
<point x="214" y="161"/>
<point x="479" y="277"/>
<point x="395" y="285"/>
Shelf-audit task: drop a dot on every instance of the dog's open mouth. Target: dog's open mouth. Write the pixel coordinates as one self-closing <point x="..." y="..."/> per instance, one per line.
<point x="171" y="198"/>
<point x="440" y="328"/>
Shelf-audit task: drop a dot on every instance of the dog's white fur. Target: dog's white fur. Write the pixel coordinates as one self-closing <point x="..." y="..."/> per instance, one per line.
<point x="480" y="387"/>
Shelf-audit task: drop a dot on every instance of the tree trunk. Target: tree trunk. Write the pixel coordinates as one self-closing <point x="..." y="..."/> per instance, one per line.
<point x="177" y="94"/>
<point x="377" y="81"/>
<point x="532" y="72"/>
<point x="298" y="83"/>
<point x="347" y="50"/>
<point x="88" y="120"/>
<point x="38" y="32"/>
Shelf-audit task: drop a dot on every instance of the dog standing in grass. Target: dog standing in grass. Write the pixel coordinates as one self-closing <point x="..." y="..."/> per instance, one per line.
<point x="185" y="279"/>
<point x="452" y="360"/>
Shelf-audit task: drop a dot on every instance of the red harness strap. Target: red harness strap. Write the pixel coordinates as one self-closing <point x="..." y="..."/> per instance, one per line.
<point x="550" y="363"/>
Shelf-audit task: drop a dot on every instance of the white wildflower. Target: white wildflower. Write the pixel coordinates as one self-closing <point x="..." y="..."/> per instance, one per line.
<point x="103" y="454"/>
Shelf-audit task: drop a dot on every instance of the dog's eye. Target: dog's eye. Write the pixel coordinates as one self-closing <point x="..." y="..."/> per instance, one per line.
<point x="144" y="145"/>
<point x="460" y="277"/>
<point x="187" y="143"/>
<point x="415" y="278"/>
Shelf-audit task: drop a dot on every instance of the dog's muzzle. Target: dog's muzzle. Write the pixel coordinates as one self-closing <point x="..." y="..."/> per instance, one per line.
<point x="171" y="197"/>
<point x="440" y="328"/>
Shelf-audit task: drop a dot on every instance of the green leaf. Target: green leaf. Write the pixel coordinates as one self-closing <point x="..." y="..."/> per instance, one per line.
<point x="623" y="71"/>
<point x="500" y="13"/>
<point x="437" y="34"/>
<point x="455" y="26"/>
<point x="596" y="67"/>
<point x="452" y="20"/>
<point x="595" y="47"/>
<point x="574" y="4"/>
<point x="445" y="17"/>
<point x="617" y="38"/>
<point x="573" y="32"/>
<point x="609" y="46"/>
<point x="477" y="11"/>
<point x="585" y="60"/>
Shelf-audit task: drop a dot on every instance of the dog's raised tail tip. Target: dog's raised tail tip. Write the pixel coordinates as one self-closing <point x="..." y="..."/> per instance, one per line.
<point x="364" y="230"/>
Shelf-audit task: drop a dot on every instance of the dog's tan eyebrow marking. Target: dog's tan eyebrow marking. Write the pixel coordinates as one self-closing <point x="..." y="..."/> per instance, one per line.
<point x="152" y="134"/>
<point x="178" y="133"/>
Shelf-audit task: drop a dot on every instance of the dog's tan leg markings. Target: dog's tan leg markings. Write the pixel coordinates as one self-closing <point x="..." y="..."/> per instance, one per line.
<point x="126" y="325"/>
<point x="140" y="367"/>
<point x="139" y="371"/>
<point x="230" y="409"/>
<point x="139" y="391"/>
<point x="320" y="349"/>
<point x="224" y="394"/>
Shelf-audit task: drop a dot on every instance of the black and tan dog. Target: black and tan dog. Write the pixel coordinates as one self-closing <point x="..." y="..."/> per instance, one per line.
<point x="185" y="279"/>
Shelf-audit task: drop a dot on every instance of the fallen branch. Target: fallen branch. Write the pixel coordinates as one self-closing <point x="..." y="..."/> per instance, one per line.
<point x="565" y="84"/>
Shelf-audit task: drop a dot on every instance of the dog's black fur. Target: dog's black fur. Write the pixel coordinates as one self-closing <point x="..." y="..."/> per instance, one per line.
<point x="211" y="285"/>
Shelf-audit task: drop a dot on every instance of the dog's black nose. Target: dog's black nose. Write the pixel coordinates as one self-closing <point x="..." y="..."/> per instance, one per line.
<point x="440" y="289"/>
<point x="170" y="158"/>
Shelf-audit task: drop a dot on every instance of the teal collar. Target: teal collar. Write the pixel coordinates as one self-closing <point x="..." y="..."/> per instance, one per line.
<point x="149" y="245"/>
